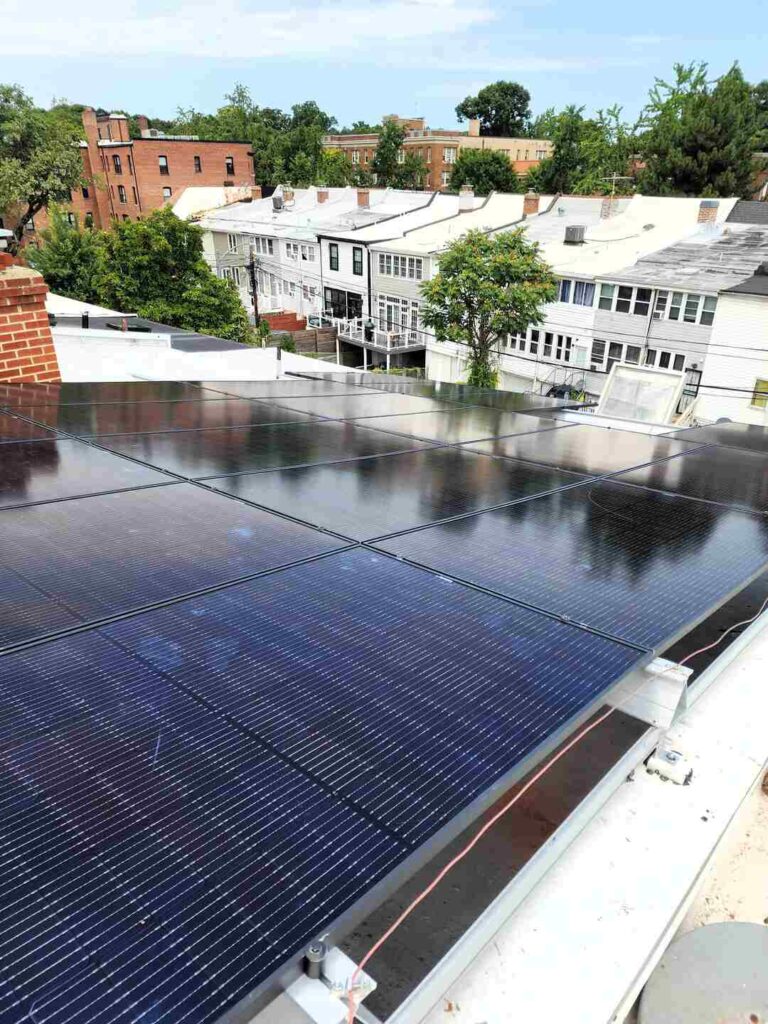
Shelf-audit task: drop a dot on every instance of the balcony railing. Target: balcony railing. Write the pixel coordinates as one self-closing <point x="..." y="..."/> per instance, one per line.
<point x="360" y="332"/>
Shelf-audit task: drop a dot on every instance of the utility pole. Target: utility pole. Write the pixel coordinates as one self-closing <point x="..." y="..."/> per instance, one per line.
<point x="254" y="284"/>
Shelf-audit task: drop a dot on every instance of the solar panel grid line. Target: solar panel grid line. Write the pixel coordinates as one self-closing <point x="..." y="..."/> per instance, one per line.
<point x="87" y="626"/>
<point x="731" y="506"/>
<point x="148" y="390"/>
<point x="456" y="444"/>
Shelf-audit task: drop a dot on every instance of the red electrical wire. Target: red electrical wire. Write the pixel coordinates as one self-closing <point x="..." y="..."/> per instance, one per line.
<point x="351" y="1000"/>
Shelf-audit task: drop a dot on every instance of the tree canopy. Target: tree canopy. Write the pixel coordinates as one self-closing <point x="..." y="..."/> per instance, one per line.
<point x="487" y="287"/>
<point x="394" y="166"/>
<point x="486" y="170"/>
<point x="40" y="160"/>
<point x="153" y="267"/>
<point x="699" y="136"/>
<point x="503" y="108"/>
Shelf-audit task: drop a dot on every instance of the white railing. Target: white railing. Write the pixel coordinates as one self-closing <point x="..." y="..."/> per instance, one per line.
<point x="362" y="332"/>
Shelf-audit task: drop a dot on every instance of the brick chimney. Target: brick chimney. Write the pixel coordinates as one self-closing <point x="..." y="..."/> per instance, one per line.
<point x="473" y="128"/>
<point x="466" y="198"/>
<point x="255" y="192"/>
<point x="363" y="198"/>
<point x="530" y="203"/>
<point x="322" y="195"/>
<point x="708" y="211"/>
<point x="143" y="123"/>
<point x="26" y="343"/>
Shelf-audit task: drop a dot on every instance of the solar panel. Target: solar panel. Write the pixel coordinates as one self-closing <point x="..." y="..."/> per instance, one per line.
<point x="636" y="564"/>
<point x="33" y="471"/>
<point x="731" y="435"/>
<point x="461" y="423"/>
<point x="148" y="417"/>
<point x="158" y="861"/>
<point x="366" y="404"/>
<point x="201" y="453"/>
<point x="73" y="561"/>
<point x="584" y="449"/>
<point x="14" y="429"/>
<point x="285" y="388"/>
<point x="725" y="475"/>
<point x="368" y="498"/>
<point x="73" y="393"/>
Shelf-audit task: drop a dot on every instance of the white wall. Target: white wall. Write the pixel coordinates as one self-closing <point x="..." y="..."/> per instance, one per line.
<point x="740" y="327"/>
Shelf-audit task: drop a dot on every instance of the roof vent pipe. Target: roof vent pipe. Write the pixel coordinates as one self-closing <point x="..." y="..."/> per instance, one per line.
<point x="466" y="198"/>
<point x="85" y="320"/>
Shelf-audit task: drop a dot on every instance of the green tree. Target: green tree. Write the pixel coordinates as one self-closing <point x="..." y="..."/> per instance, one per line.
<point x="503" y="108"/>
<point x="487" y="287"/>
<point x="700" y="137"/>
<point x="394" y="167"/>
<point x="334" y="169"/>
<point x="543" y="126"/>
<point x="760" y="96"/>
<point x="360" y="128"/>
<point x="68" y="258"/>
<point x="411" y="173"/>
<point x="40" y="161"/>
<point x="486" y="170"/>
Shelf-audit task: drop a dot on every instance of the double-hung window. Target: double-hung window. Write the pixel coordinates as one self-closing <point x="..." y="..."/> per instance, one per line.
<point x="642" y="301"/>
<point x="333" y="256"/>
<point x="123" y="195"/>
<point x="117" y="163"/>
<point x="565" y="290"/>
<point x="162" y="163"/>
<point x="708" y="310"/>
<point x="607" y="292"/>
<point x="357" y="261"/>
<point x="583" y="293"/>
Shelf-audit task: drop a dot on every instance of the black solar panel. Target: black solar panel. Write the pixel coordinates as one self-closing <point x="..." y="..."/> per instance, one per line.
<point x="12" y="428"/>
<point x="461" y="424"/>
<point x="285" y="388"/>
<point x="635" y="563"/>
<point x="202" y="453"/>
<point x="732" y="435"/>
<point x="147" y="417"/>
<point x="725" y="475"/>
<point x="33" y="471"/>
<point x="71" y="393"/>
<point x="584" y="449"/>
<point x="368" y="498"/>
<point x="72" y="561"/>
<point x="368" y="403"/>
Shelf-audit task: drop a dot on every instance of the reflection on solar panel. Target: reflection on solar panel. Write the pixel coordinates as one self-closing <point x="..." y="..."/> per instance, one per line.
<point x="12" y="428"/>
<point x="202" y="453"/>
<point x="199" y="790"/>
<point x="72" y="561"/>
<point x="584" y="449"/>
<point x="732" y="435"/>
<point x="149" y="417"/>
<point x="725" y="475"/>
<point x="219" y="730"/>
<point x="368" y="498"/>
<point x="636" y="564"/>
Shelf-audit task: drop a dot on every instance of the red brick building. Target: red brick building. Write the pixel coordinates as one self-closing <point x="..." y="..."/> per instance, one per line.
<point x="126" y="178"/>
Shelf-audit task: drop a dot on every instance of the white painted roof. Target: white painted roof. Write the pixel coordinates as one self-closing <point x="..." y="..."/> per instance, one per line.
<point x="199" y="199"/>
<point x="306" y="218"/>
<point x="441" y="207"/>
<point x="60" y="305"/>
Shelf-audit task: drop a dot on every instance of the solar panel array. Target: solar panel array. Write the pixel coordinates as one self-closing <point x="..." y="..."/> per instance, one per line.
<point x="266" y="645"/>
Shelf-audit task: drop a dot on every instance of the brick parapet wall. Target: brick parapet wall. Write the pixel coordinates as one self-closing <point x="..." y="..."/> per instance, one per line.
<point x="26" y="343"/>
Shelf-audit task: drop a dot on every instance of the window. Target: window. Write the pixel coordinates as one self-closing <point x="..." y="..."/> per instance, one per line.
<point x="583" y="293"/>
<point x="533" y="348"/>
<point x="674" y="306"/>
<point x="563" y="348"/>
<point x="541" y="154"/>
<point x="664" y="360"/>
<point x="708" y="310"/>
<point x="135" y="194"/>
<point x="117" y="163"/>
<point x="679" y="362"/>
<point x="401" y="156"/>
<point x="198" y="163"/>
<point x="548" y="345"/>
<point x="232" y="274"/>
<point x="598" y="353"/>
<point x="264" y="246"/>
<point x="123" y="195"/>
<point x="229" y="165"/>
<point x="167" y="192"/>
<point x="126" y="217"/>
<point x="399" y="317"/>
<point x="445" y="177"/>
<point x="401" y="266"/>
<point x="760" y="393"/>
<point x="624" y="299"/>
<point x="357" y="261"/>
<point x="691" y="308"/>
<point x="71" y="219"/>
<point x="615" y="352"/>
<point x="162" y="163"/>
<point x="632" y="354"/>
<point x="333" y="256"/>
<point x="449" y="155"/>
<point x="650" y="357"/>
<point x="233" y="243"/>
<point x="565" y="290"/>
<point x="606" y="296"/>
<point x="661" y="305"/>
<point x="130" y="164"/>
<point x="429" y="155"/>
<point x="642" y="301"/>
<point x="85" y="191"/>
<point x="355" y="156"/>
<point x="89" y="220"/>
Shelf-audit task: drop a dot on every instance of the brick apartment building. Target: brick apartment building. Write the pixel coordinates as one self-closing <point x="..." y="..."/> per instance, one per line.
<point x="439" y="147"/>
<point x="125" y="178"/>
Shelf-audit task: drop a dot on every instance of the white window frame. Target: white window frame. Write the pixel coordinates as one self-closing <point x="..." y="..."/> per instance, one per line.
<point x="233" y="243"/>
<point x="398" y="315"/>
<point x="394" y="265"/>
<point x="264" y="246"/>
<point x="449" y="154"/>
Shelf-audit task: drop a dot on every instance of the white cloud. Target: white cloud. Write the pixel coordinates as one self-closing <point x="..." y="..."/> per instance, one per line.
<point x="235" y="29"/>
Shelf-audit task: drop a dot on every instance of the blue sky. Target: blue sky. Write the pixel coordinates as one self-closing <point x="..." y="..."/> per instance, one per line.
<point x="364" y="58"/>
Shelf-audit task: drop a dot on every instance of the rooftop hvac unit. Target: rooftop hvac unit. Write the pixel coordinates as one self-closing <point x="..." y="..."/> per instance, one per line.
<point x="574" y="234"/>
<point x="277" y="202"/>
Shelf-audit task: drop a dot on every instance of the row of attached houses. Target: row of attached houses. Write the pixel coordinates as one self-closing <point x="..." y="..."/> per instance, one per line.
<point x="646" y="281"/>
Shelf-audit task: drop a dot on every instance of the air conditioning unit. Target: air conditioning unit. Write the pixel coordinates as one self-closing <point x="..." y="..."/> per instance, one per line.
<point x="574" y="234"/>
